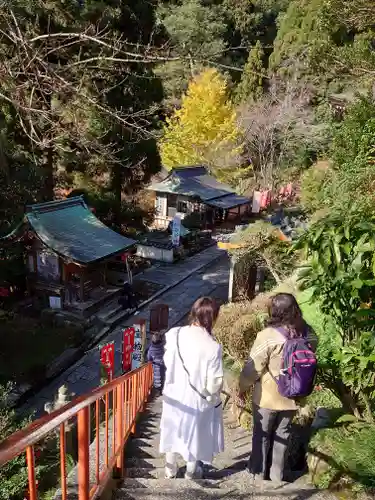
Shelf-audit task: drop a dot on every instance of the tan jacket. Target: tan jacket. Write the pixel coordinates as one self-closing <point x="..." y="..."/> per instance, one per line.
<point x="266" y="358"/>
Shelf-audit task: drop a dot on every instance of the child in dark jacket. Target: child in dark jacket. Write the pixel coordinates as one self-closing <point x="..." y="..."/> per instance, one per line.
<point x="155" y="355"/>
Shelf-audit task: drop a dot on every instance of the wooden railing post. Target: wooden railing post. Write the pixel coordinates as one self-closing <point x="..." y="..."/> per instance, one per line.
<point x="30" y="459"/>
<point x="119" y="428"/>
<point x="134" y="397"/>
<point x="83" y="454"/>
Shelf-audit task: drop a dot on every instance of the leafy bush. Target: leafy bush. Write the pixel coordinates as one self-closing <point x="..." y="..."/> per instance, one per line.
<point x="340" y="276"/>
<point x="13" y="475"/>
<point x="347" y="141"/>
<point x="353" y="155"/>
<point x="312" y="195"/>
<point x="350" y="454"/>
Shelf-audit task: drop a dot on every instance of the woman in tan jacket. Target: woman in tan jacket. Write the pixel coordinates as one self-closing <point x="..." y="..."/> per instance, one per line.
<point x="272" y="413"/>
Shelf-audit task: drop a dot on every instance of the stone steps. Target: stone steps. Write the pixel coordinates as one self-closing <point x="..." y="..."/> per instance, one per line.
<point x="158" y="472"/>
<point x="113" y="314"/>
<point x="236" y="486"/>
<point x="229" y="479"/>
<point x="175" y="490"/>
<point x="111" y="308"/>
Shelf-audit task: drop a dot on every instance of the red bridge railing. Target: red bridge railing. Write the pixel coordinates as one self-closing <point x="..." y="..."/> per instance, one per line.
<point x="104" y="419"/>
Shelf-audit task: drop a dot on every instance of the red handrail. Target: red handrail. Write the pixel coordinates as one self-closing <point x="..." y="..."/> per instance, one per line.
<point x="128" y="393"/>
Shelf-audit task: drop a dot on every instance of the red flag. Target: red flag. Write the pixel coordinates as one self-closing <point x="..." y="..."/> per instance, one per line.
<point x="127" y="349"/>
<point x="107" y="359"/>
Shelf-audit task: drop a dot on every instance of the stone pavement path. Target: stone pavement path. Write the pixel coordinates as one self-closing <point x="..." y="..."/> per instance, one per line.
<point x="212" y="279"/>
<point x="230" y="481"/>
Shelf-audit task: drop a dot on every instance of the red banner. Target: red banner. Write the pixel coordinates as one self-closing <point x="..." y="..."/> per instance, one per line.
<point x="107" y="359"/>
<point x="265" y="200"/>
<point x="127" y="349"/>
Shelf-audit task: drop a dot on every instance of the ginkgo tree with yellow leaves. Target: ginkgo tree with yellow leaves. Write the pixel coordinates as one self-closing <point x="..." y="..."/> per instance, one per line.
<point x="203" y="131"/>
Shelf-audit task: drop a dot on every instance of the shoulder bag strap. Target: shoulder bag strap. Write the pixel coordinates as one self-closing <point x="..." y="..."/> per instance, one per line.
<point x="284" y="333"/>
<point x="184" y="367"/>
<point x="187" y="372"/>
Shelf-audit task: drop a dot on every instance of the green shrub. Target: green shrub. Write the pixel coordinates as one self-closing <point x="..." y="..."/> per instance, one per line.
<point x="350" y="453"/>
<point x="339" y="275"/>
<point x="312" y="194"/>
<point x="13" y="475"/>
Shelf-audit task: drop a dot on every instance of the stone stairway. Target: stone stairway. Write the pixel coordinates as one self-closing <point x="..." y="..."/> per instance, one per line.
<point x="113" y="313"/>
<point x="228" y="479"/>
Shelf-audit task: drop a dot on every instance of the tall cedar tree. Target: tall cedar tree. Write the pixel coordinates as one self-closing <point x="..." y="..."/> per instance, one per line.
<point x="250" y="88"/>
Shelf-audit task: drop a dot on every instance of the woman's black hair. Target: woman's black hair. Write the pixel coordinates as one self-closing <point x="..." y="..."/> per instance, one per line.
<point x="204" y="313"/>
<point x="284" y="311"/>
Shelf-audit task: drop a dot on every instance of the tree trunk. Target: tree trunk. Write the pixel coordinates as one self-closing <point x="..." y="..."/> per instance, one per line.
<point x="252" y="281"/>
<point x="117" y="191"/>
<point x="349" y="403"/>
<point x="370" y="415"/>
<point x="49" y="181"/>
<point x="48" y="159"/>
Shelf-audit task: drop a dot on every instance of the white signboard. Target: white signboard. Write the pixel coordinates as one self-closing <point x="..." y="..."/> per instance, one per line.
<point x="138" y="347"/>
<point x="176" y="230"/>
<point x="55" y="302"/>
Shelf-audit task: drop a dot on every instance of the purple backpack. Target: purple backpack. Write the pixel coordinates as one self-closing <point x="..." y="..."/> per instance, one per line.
<point x="298" y="367"/>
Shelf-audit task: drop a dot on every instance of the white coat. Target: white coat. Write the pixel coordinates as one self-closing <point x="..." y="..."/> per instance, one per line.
<point x="191" y="425"/>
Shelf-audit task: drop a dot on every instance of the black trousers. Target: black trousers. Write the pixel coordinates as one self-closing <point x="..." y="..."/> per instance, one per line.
<point x="271" y="433"/>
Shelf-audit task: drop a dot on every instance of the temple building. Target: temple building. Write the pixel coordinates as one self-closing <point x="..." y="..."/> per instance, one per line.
<point x="68" y="253"/>
<point x="193" y="189"/>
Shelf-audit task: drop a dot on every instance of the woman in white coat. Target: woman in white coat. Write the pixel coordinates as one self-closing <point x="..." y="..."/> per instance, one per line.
<point x="192" y="417"/>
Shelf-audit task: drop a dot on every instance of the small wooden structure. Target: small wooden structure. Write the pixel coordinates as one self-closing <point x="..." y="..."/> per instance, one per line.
<point x="68" y="253"/>
<point x="192" y="189"/>
<point x="254" y="275"/>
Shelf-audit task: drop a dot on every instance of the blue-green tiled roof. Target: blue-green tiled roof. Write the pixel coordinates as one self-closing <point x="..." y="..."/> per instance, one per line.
<point x="192" y="181"/>
<point x="70" y="229"/>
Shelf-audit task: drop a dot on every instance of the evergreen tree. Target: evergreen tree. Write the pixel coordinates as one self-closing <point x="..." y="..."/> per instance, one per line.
<point x="300" y="34"/>
<point x="203" y="126"/>
<point x="326" y="41"/>
<point x="255" y="20"/>
<point x="195" y="34"/>
<point x="250" y="87"/>
<point x="78" y="95"/>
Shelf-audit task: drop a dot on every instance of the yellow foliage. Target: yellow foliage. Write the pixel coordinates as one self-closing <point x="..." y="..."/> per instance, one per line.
<point x="204" y="126"/>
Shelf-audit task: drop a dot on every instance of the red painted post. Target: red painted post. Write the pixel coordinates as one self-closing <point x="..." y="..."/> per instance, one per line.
<point x="83" y="454"/>
<point x="30" y="459"/>
<point x="64" y="493"/>
<point x="120" y="427"/>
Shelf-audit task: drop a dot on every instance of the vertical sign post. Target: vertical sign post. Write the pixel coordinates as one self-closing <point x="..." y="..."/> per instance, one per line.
<point x="159" y="317"/>
<point x="139" y="343"/>
<point x="107" y="360"/>
<point x="127" y="349"/>
<point x="176" y="230"/>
